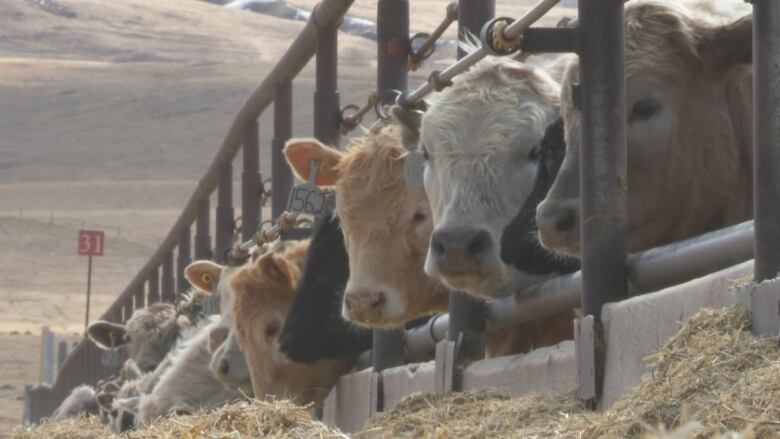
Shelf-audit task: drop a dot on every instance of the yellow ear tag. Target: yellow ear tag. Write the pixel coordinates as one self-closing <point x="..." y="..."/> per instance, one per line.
<point x="206" y="278"/>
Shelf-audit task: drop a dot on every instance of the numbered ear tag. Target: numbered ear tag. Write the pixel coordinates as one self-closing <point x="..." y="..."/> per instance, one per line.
<point x="307" y="197"/>
<point x="413" y="169"/>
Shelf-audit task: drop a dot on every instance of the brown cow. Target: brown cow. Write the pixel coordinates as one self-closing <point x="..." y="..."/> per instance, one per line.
<point x="264" y="292"/>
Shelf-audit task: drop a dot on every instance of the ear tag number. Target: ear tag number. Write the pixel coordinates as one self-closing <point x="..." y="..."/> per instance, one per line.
<point x="307" y="197"/>
<point x="414" y="166"/>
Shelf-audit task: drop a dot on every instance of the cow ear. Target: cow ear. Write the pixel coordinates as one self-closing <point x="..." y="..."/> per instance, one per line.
<point x="409" y="121"/>
<point x="724" y="47"/>
<point x="276" y="267"/>
<point x="102" y="333"/>
<point x="203" y="275"/>
<point x="301" y="152"/>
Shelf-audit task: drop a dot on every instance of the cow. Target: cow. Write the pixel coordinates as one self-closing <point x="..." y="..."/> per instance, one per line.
<point x="314" y="329"/>
<point x="81" y="400"/>
<point x="147" y="336"/>
<point x="264" y="292"/>
<point x="688" y="135"/>
<point x="480" y="139"/>
<point x="384" y="219"/>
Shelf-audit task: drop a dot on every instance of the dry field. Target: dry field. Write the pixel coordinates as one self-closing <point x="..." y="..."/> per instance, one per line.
<point x="108" y="118"/>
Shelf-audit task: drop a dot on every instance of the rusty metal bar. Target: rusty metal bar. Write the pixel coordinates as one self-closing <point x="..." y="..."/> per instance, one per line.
<point x="280" y="172"/>
<point x="250" y="182"/>
<point x="602" y="155"/>
<point x="467" y="314"/>
<point x="183" y="258"/>
<point x="203" y="231"/>
<point x="225" y="213"/>
<point x="167" y="282"/>
<point x="392" y="71"/>
<point x="766" y="137"/>
<point x="327" y="109"/>
<point x="154" y="286"/>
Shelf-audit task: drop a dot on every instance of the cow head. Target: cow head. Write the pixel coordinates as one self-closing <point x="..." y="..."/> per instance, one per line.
<point x="688" y="115"/>
<point x="148" y="335"/>
<point x="481" y="141"/>
<point x="386" y="226"/>
<point x="264" y="292"/>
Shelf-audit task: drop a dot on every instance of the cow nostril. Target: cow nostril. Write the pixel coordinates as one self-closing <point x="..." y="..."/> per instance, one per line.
<point x="379" y="301"/>
<point x="224" y="368"/>
<point x="478" y="244"/>
<point x="566" y="221"/>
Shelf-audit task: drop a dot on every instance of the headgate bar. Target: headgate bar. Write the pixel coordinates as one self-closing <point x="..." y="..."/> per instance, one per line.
<point x="280" y="172"/>
<point x="225" y="212"/>
<point x="203" y="230"/>
<point x="154" y="285"/>
<point x="392" y="73"/>
<point x="183" y="258"/>
<point x="251" y="217"/>
<point x="167" y="282"/>
<point x="327" y="107"/>
<point x="766" y="137"/>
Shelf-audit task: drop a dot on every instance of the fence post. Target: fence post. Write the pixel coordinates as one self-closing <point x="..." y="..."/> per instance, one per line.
<point x="250" y="182"/>
<point x="392" y="20"/>
<point x="202" y="231"/>
<point x="183" y="258"/>
<point x="224" y="211"/>
<point x="167" y="282"/>
<point x="154" y="286"/>
<point x="602" y="175"/>
<point x="281" y="174"/>
<point x="766" y="137"/>
<point x="139" y="297"/>
<point x="467" y="314"/>
<point x="326" y="95"/>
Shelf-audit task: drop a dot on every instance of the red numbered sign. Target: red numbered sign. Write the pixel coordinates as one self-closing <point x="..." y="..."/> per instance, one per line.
<point x="91" y="242"/>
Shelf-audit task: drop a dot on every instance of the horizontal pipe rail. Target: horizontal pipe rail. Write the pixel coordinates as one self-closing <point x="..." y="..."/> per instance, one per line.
<point x="648" y="271"/>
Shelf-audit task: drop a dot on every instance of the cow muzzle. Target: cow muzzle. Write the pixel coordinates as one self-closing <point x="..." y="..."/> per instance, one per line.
<point x="460" y="251"/>
<point x="365" y="306"/>
<point x="559" y="226"/>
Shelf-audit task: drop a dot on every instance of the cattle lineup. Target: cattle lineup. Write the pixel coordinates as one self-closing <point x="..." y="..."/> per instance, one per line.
<point x="540" y="217"/>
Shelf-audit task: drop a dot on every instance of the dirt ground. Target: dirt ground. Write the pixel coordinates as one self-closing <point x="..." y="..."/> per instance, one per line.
<point x="109" y="114"/>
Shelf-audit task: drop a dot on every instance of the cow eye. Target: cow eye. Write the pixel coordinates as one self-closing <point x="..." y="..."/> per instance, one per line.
<point x="644" y="109"/>
<point x="533" y="154"/>
<point x="272" y="329"/>
<point x="419" y="217"/>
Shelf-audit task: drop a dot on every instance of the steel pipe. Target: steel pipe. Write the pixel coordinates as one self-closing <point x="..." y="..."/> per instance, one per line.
<point x="203" y="231"/>
<point x="281" y="174"/>
<point x="327" y="108"/>
<point x="766" y="137"/>
<point x="225" y="212"/>
<point x="512" y="31"/>
<point x="183" y="258"/>
<point x="421" y="340"/>
<point x="250" y="182"/>
<point x="167" y="283"/>
<point x="154" y="286"/>
<point x="603" y="207"/>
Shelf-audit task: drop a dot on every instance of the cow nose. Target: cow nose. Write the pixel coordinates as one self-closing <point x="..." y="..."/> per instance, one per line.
<point x="558" y="224"/>
<point x="460" y="249"/>
<point x="364" y="305"/>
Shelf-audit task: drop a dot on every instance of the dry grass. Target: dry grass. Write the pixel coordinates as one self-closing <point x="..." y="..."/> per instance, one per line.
<point x="711" y="379"/>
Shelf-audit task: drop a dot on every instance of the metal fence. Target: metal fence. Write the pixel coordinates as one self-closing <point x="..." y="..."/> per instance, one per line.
<point x="607" y="275"/>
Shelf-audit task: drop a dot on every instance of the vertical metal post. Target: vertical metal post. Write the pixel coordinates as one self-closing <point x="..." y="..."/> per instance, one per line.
<point x="89" y="292"/>
<point x="154" y="286"/>
<point x="140" y="297"/>
<point x="281" y="174"/>
<point x="766" y="137"/>
<point x="62" y="354"/>
<point x="183" y="258"/>
<point x="392" y="72"/>
<point x="602" y="154"/>
<point x="467" y="314"/>
<point x="326" y="95"/>
<point x="250" y="182"/>
<point x="602" y="180"/>
<point x="202" y="231"/>
<point x="167" y="281"/>
<point x="224" y="211"/>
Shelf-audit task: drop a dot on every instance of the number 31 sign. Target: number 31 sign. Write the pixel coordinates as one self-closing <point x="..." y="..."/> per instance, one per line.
<point x="91" y="242"/>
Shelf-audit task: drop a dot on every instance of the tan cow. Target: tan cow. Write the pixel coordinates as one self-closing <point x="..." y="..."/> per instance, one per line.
<point x="689" y="119"/>
<point x="387" y="228"/>
<point x="264" y="292"/>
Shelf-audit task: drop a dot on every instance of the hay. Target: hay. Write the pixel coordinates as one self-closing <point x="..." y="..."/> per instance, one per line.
<point x="712" y="378"/>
